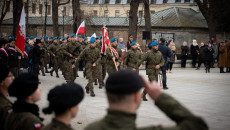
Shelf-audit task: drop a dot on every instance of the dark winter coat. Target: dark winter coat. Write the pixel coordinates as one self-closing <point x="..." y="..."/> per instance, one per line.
<point x="13" y="57"/>
<point x="202" y="52"/>
<point x="37" y="54"/>
<point x="166" y="52"/>
<point x="184" y="50"/>
<point x="208" y="51"/>
<point x="194" y="50"/>
<point x="3" y="57"/>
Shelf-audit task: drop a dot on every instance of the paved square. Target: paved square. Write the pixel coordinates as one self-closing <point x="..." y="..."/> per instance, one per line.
<point x="205" y="94"/>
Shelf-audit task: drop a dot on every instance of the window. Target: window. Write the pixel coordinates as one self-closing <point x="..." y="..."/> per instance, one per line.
<point x="40" y="8"/>
<point x="106" y="1"/>
<point x="95" y="13"/>
<point x="178" y="1"/>
<point x="127" y="12"/>
<point x="118" y="1"/>
<point x="33" y="8"/>
<point x="95" y="1"/>
<point x="117" y="13"/>
<point x="153" y="1"/>
<point x="106" y="13"/>
<point x="140" y="13"/>
<point x="152" y="11"/>
<point x="49" y="10"/>
<point x="187" y="1"/>
<point x="165" y="1"/>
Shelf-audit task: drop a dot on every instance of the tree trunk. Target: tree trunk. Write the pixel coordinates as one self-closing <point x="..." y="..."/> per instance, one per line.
<point x="147" y="18"/>
<point x="211" y="27"/>
<point x="17" y="9"/>
<point x="76" y="15"/>
<point x="4" y="8"/>
<point x="55" y="18"/>
<point x="133" y="19"/>
<point x="27" y="16"/>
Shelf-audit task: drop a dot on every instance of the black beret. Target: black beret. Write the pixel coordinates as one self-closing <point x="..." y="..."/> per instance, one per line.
<point x="124" y="82"/>
<point x="64" y="97"/>
<point x="2" y="41"/>
<point x="37" y="41"/>
<point x="24" y="85"/>
<point x="4" y="71"/>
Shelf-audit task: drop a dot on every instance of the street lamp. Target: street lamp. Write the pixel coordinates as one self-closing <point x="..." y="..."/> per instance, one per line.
<point x="46" y="4"/>
<point x="63" y="14"/>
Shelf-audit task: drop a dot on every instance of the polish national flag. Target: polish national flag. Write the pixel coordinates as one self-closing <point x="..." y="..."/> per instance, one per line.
<point x="81" y="29"/>
<point x="21" y="32"/>
<point x="105" y="40"/>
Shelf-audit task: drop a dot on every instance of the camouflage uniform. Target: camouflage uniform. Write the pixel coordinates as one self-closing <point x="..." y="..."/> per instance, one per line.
<point x="44" y="59"/>
<point x="182" y="117"/>
<point x="110" y="67"/>
<point x="63" y="66"/>
<point x="54" y="50"/>
<point x="153" y="58"/>
<point x="101" y="67"/>
<point x="56" y="125"/>
<point x="91" y="55"/>
<point x="132" y="59"/>
<point x="73" y="49"/>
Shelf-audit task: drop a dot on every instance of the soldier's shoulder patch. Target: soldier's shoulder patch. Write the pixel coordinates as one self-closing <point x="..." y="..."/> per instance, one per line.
<point x="37" y="126"/>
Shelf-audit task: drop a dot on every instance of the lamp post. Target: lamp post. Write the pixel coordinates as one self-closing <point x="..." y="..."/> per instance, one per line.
<point x="63" y="14"/>
<point x="46" y="4"/>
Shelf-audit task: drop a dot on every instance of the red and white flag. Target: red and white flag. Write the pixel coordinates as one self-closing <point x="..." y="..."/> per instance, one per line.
<point x="81" y="29"/>
<point x="105" y="39"/>
<point x="21" y="33"/>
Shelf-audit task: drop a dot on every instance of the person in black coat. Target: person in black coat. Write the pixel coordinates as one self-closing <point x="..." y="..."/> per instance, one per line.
<point x="166" y="52"/>
<point x="194" y="52"/>
<point x="3" y="53"/>
<point x="202" y="55"/>
<point x="208" y="57"/>
<point x="37" y="51"/>
<point x="184" y="54"/>
<point x="13" y="57"/>
<point x="24" y="64"/>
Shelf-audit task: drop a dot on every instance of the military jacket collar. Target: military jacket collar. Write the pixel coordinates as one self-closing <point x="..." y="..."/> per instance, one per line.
<point x="115" y="47"/>
<point x="61" y="124"/>
<point x="120" y="119"/>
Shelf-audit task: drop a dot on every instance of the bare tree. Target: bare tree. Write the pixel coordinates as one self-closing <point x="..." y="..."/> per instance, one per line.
<point x="76" y="14"/>
<point x="4" y="6"/>
<point x="133" y="19"/>
<point x="55" y="5"/>
<point x="17" y="9"/>
<point x="147" y="17"/>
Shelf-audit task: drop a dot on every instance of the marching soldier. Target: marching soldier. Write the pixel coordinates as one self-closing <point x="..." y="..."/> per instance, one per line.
<point x="92" y="58"/>
<point x="44" y="56"/>
<point x="100" y="69"/>
<point x="154" y="60"/>
<point x="114" y="55"/>
<point x="53" y="51"/>
<point x="132" y="58"/>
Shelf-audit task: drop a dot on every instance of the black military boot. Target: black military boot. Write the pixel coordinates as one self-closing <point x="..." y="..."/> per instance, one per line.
<point x="206" y="69"/>
<point x="197" y="68"/>
<point x="47" y="71"/>
<point x="95" y="82"/>
<point x="92" y="93"/>
<point x="100" y="86"/>
<point x="57" y="76"/>
<point x="87" y="90"/>
<point x="103" y="84"/>
<point x="51" y="73"/>
<point x="144" y="96"/>
<point x="43" y="74"/>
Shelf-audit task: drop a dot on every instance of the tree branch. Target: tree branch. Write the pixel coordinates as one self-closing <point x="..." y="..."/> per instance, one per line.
<point x="59" y="3"/>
